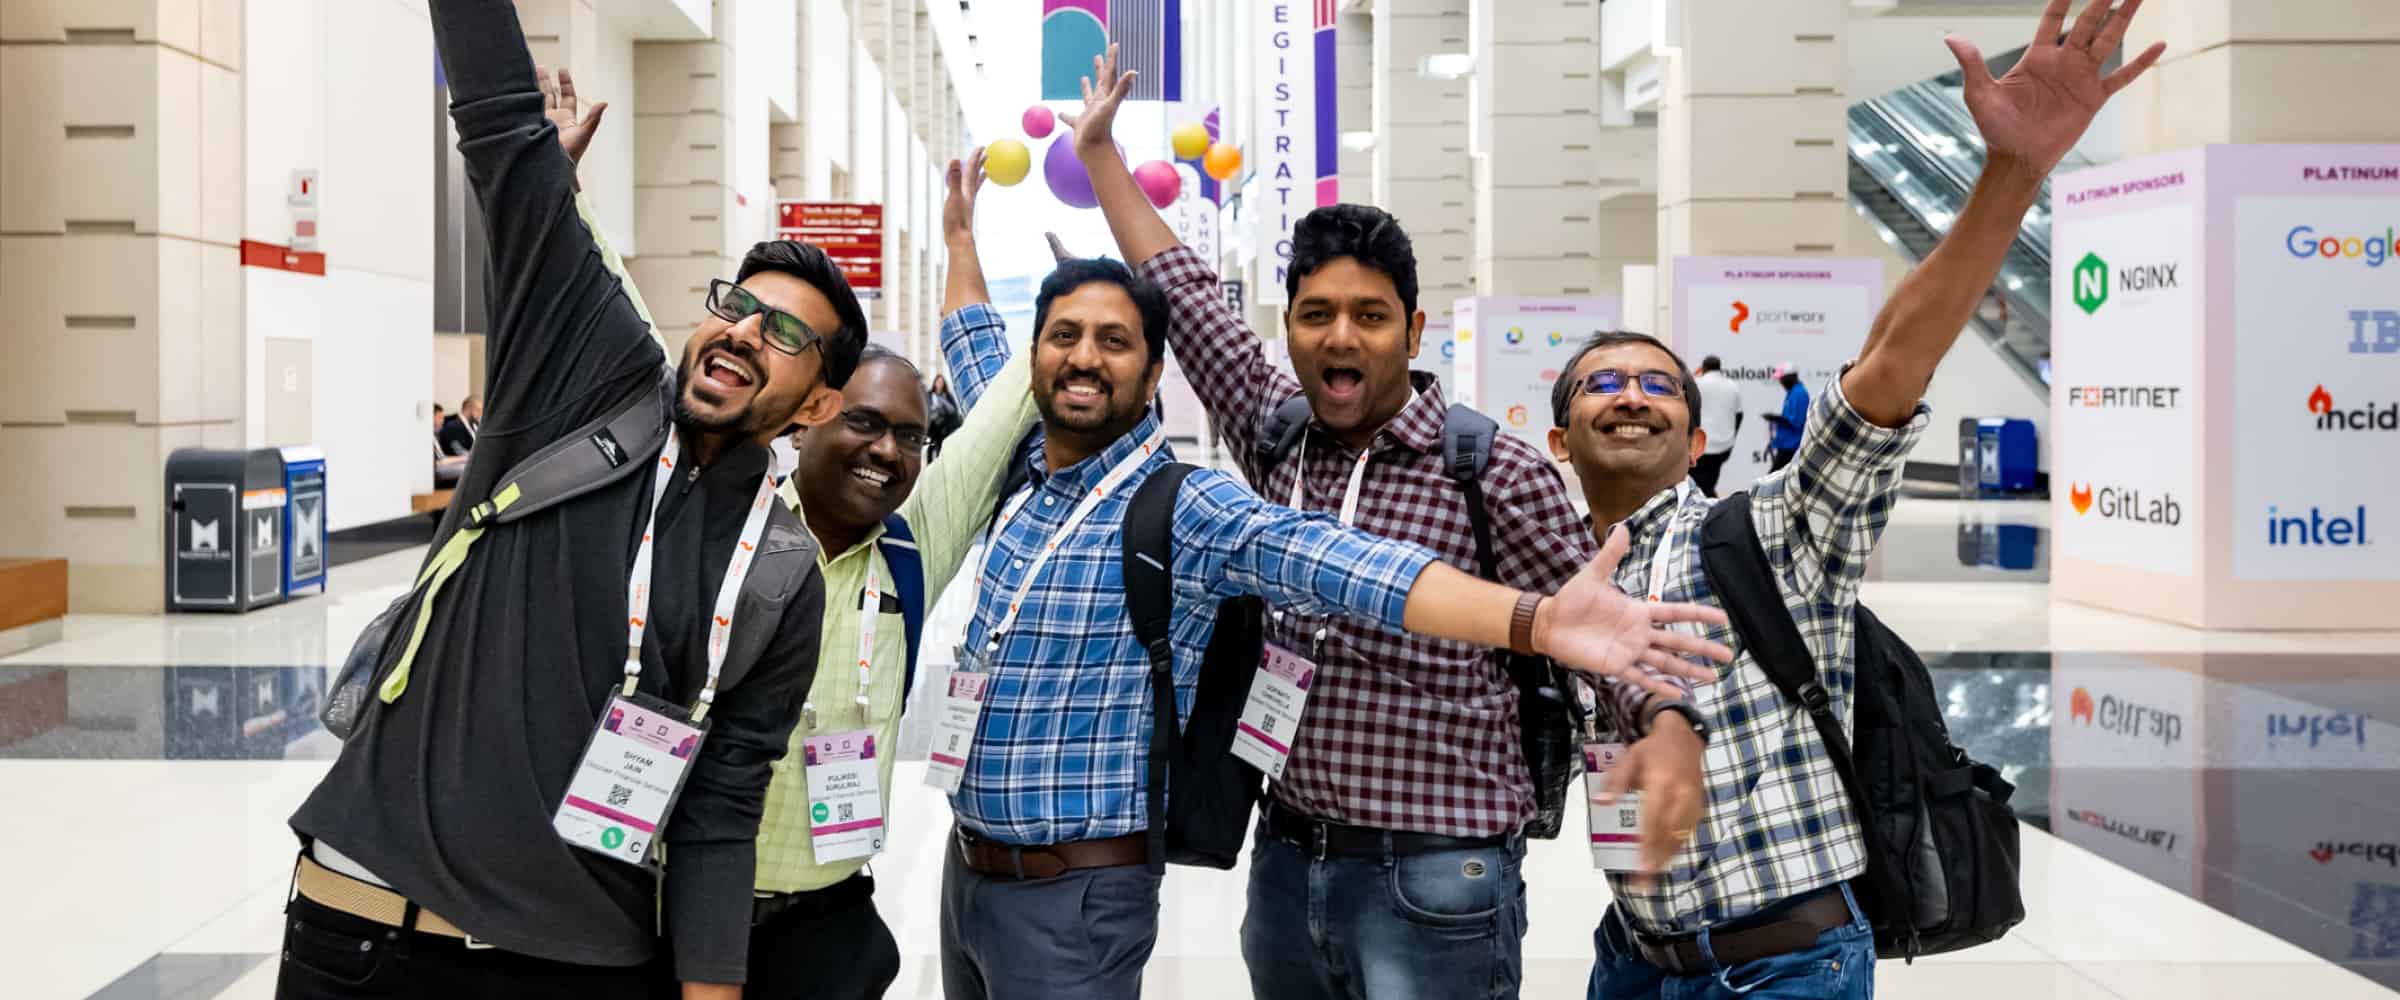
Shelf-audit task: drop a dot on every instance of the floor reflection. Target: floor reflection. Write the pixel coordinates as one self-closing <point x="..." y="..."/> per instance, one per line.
<point x="162" y="713"/>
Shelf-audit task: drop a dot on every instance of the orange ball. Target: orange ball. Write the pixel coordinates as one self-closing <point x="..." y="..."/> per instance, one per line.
<point x="1224" y="160"/>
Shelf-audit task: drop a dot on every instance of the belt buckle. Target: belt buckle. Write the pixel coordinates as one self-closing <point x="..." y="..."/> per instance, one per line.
<point x="476" y="944"/>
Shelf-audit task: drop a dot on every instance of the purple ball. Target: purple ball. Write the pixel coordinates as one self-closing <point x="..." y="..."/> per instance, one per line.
<point x="1065" y="174"/>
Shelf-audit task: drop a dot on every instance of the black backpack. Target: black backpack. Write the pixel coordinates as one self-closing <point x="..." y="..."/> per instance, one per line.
<point x="1549" y="719"/>
<point x="1207" y="820"/>
<point x="1941" y="840"/>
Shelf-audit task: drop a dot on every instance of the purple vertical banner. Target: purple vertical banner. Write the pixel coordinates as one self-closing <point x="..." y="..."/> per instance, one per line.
<point x="1329" y="140"/>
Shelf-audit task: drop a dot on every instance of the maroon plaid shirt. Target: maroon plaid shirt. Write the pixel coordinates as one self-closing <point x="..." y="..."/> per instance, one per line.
<point x="1402" y="732"/>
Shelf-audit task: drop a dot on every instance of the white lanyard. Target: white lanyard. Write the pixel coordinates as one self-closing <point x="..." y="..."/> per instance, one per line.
<point x="720" y="623"/>
<point x="870" y="609"/>
<point x="1665" y="555"/>
<point x="1349" y="508"/>
<point x="1083" y="509"/>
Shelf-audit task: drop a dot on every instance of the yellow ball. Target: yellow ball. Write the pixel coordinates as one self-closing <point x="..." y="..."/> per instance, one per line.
<point x="1190" y="140"/>
<point x="1006" y="162"/>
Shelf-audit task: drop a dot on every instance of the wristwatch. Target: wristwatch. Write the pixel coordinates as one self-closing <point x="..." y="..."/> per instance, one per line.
<point x="1690" y="715"/>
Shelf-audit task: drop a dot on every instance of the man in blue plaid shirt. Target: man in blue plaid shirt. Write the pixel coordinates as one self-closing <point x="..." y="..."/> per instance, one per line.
<point x="1746" y="891"/>
<point x="1047" y="892"/>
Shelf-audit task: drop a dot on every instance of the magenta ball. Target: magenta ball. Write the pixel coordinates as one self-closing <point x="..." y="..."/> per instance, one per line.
<point x="1038" y="121"/>
<point x="1068" y="180"/>
<point x="1159" y="181"/>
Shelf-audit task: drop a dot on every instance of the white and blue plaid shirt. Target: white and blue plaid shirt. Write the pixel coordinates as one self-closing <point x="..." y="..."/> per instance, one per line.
<point x="1061" y="751"/>
<point x="1778" y="821"/>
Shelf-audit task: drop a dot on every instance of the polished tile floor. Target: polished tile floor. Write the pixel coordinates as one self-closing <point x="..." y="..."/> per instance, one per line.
<point x="2243" y="844"/>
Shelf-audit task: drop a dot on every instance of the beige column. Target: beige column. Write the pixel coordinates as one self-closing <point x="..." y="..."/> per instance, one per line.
<point x="1751" y="133"/>
<point x="683" y="177"/>
<point x="2240" y="71"/>
<point x="1419" y="170"/>
<point x="1542" y="151"/>
<point x="121" y="317"/>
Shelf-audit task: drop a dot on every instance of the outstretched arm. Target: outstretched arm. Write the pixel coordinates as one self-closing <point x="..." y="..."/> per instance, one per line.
<point x="2029" y="119"/>
<point x="971" y="330"/>
<point x="577" y="126"/>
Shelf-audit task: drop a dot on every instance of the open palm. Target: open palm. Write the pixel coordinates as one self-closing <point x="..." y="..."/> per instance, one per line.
<point x="576" y="125"/>
<point x="1599" y="629"/>
<point x="2040" y="109"/>
<point x="1103" y="92"/>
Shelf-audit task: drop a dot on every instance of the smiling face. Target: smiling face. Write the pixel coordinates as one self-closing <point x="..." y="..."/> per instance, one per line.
<point x="1351" y="344"/>
<point x="1631" y="436"/>
<point x="731" y="382"/>
<point x="1093" y="374"/>
<point x="853" y="471"/>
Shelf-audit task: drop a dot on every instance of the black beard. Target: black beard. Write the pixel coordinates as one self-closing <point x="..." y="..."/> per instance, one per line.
<point x="686" y="419"/>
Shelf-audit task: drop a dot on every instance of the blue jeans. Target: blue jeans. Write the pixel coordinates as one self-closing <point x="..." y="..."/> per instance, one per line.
<point x="1840" y="967"/>
<point x="1442" y="926"/>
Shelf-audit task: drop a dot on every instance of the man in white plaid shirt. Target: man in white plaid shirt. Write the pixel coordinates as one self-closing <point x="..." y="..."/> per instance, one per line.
<point x="1750" y="896"/>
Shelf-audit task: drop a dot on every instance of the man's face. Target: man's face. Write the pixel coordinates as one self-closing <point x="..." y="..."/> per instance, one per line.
<point x="853" y="470"/>
<point x="1351" y="344"/>
<point x="731" y="382"/>
<point x="472" y="410"/>
<point x="1092" y="371"/>
<point x="1632" y="434"/>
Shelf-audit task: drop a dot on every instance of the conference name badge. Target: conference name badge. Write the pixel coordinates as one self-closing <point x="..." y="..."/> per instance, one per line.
<point x="954" y="728"/>
<point x="632" y="770"/>
<point x="845" y="795"/>
<point x="1616" y="826"/>
<point x="1271" y="716"/>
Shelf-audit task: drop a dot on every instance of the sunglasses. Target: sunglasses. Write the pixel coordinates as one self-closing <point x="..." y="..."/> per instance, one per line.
<point x="872" y="426"/>
<point x="784" y="332"/>
<point x="1609" y="382"/>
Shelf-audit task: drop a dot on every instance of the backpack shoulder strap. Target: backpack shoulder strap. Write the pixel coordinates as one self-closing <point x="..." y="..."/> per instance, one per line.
<point x="602" y="451"/>
<point x="1466" y="451"/>
<point x="900" y="554"/>
<point x="1020" y="472"/>
<point x="1149" y="568"/>
<point x="1744" y="582"/>
<point x="1282" y="430"/>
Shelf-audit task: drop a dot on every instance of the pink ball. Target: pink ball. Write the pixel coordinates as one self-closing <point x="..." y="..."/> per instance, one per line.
<point x="1038" y="121"/>
<point x="1159" y="181"/>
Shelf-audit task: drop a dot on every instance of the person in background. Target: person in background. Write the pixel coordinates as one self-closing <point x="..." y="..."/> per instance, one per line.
<point x="1720" y="419"/>
<point x="458" y="433"/>
<point x="944" y="415"/>
<point x="446" y="467"/>
<point x="1789" y="423"/>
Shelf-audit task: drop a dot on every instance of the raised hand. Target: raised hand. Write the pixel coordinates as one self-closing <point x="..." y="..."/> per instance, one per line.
<point x="1592" y="626"/>
<point x="2037" y="112"/>
<point x="1103" y="92"/>
<point x="965" y="181"/>
<point x="575" y="125"/>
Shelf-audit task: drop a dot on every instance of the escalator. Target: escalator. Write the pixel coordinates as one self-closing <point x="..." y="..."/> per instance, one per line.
<point x="1914" y="156"/>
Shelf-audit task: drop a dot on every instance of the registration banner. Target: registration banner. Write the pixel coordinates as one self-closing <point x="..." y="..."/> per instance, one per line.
<point x="1294" y="157"/>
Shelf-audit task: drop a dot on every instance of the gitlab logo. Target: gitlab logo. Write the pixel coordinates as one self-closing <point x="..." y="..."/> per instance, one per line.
<point x="2079" y="707"/>
<point x="2080" y="495"/>
<point x="2119" y="504"/>
<point x="2371" y="417"/>
<point x="2125" y="717"/>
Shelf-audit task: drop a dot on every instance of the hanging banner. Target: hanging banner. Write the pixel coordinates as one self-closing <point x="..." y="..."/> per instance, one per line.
<point x="1293" y="157"/>
<point x="1149" y="38"/>
<point x="850" y="233"/>
<point x="1757" y="313"/>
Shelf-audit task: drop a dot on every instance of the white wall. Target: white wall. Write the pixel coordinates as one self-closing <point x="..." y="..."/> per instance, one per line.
<point x="827" y="63"/>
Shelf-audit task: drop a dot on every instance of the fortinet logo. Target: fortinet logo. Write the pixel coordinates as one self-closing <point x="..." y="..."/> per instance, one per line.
<point x="2371" y="417"/>
<point x="2119" y="504"/>
<point x="2125" y="718"/>
<point x="2125" y="397"/>
<point x="2146" y="835"/>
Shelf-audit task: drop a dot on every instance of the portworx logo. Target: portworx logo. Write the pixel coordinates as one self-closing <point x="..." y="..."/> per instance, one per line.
<point x="1741" y="312"/>
<point x="2091" y="283"/>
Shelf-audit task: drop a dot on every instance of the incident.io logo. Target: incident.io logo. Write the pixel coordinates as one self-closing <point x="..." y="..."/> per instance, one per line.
<point x="1741" y="313"/>
<point x="2120" y="504"/>
<point x="2327" y="850"/>
<point x="2316" y="528"/>
<point x="2125" y="717"/>
<point x="2306" y="243"/>
<point x="2371" y="417"/>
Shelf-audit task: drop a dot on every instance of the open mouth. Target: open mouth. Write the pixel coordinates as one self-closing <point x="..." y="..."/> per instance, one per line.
<point x="1344" y="383"/>
<point x="726" y="373"/>
<point x="1628" y="430"/>
<point x="1082" y="390"/>
<point x="872" y="477"/>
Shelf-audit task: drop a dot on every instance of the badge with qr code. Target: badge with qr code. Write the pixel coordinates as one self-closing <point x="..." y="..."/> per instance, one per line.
<point x="1616" y="826"/>
<point x="631" y="772"/>
<point x="845" y="795"/>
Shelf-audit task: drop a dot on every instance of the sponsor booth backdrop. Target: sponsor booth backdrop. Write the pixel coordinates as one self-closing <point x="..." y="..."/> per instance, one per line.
<point x="1507" y="352"/>
<point x="2226" y="358"/>
<point x="1754" y="313"/>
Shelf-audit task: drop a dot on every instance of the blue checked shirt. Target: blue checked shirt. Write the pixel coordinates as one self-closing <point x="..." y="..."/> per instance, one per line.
<point x="1778" y="822"/>
<point x="1060" y="752"/>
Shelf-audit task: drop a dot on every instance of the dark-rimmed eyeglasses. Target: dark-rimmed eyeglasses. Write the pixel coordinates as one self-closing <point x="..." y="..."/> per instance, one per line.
<point x="873" y="426"/>
<point x="1610" y="381"/>
<point x="782" y="331"/>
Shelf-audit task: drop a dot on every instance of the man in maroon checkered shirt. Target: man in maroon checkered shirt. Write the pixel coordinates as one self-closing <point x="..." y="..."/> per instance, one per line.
<point x="1388" y="863"/>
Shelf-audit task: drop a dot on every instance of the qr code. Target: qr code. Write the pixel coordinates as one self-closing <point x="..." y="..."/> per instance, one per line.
<point x="1628" y="818"/>
<point x="845" y="813"/>
<point x="619" y="795"/>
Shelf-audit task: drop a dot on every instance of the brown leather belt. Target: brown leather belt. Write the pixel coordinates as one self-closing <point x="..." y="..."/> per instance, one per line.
<point x="366" y="901"/>
<point x="997" y="860"/>
<point x="1793" y="927"/>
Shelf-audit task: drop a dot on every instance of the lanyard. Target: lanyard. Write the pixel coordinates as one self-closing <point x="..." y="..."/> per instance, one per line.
<point x="1665" y="555"/>
<point x="870" y="610"/>
<point x="1083" y="509"/>
<point x="720" y="623"/>
<point x="1348" y="515"/>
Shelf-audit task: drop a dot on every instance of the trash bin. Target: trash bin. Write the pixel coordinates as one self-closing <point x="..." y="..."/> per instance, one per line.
<point x="305" y="529"/>
<point x="224" y="529"/>
<point x="2005" y="455"/>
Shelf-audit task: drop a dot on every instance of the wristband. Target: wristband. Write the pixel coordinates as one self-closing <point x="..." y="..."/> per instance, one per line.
<point x="1520" y="623"/>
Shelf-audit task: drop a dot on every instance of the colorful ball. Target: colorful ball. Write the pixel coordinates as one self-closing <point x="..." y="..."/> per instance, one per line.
<point x="1190" y="140"/>
<point x="1159" y="181"/>
<point x="1038" y="121"/>
<point x="1068" y="180"/>
<point x="1224" y="160"/>
<point x="1007" y="161"/>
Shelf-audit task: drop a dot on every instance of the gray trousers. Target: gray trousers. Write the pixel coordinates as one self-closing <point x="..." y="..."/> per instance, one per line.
<point x="1084" y="934"/>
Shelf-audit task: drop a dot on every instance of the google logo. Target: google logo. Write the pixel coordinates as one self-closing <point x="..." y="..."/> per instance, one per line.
<point x="2304" y="243"/>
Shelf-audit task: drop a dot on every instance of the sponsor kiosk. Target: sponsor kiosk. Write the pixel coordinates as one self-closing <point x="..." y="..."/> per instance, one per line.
<point x="1755" y="313"/>
<point x="1507" y="352"/>
<point x="2226" y="356"/>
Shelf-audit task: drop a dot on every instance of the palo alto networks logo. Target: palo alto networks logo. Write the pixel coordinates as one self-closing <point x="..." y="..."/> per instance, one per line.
<point x="2326" y="851"/>
<point x="2371" y="417"/>
<point x="2305" y="243"/>
<point x="2120" y="504"/>
<point x="2125" y="717"/>
<point x="1516" y="335"/>
<point x="1741" y="313"/>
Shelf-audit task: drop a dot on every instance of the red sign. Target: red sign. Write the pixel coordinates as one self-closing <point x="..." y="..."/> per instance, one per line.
<point x="850" y="233"/>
